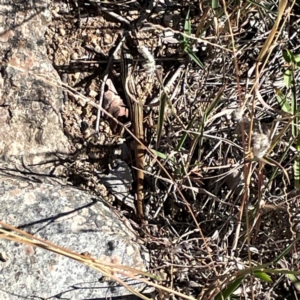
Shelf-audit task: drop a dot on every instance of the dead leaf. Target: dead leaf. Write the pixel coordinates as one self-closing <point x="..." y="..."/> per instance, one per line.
<point x="113" y="104"/>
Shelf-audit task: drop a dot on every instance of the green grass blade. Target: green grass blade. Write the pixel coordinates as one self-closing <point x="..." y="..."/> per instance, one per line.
<point x="159" y="154"/>
<point x="210" y="108"/>
<point x="230" y="289"/>
<point x="284" y="155"/>
<point x="296" y="168"/>
<point x="206" y="114"/>
<point x="294" y="280"/>
<point x="187" y="27"/>
<point x="184" y="136"/>
<point x="263" y="276"/>
<point x="288" y="77"/>
<point x="294" y="105"/>
<point x="296" y="165"/>
<point x="194" y="57"/>
<point x="187" y="43"/>
<point x="161" y="115"/>
<point x="285" y="251"/>
<point x="298" y="143"/>
<point x="273" y="162"/>
<point x="214" y="4"/>
<point x="214" y="103"/>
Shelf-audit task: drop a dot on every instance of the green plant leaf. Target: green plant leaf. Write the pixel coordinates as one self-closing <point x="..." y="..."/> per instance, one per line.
<point x="285" y="106"/>
<point x="263" y="276"/>
<point x="230" y="289"/>
<point x="288" y="56"/>
<point x="288" y="77"/>
<point x="294" y="280"/>
<point x="297" y="60"/>
<point x="159" y="154"/>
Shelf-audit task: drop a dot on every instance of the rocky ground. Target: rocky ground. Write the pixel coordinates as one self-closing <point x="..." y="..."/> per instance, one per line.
<point x="214" y="206"/>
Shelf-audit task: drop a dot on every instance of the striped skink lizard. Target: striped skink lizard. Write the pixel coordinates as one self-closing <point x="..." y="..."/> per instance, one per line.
<point x="136" y="116"/>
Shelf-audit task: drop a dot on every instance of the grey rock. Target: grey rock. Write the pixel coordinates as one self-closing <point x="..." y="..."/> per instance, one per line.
<point x="71" y="219"/>
<point x="31" y="137"/>
<point x="30" y="96"/>
<point x="118" y="181"/>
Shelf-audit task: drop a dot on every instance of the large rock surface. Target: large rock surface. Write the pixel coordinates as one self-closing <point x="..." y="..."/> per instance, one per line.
<point x="30" y="97"/>
<point x="31" y="136"/>
<point x="69" y="218"/>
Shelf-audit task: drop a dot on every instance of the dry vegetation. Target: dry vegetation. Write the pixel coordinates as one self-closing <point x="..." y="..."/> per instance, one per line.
<point x="222" y="147"/>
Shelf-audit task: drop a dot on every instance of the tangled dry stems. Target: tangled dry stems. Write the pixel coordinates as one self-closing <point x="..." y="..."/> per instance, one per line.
<point x="213" y="208"/>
